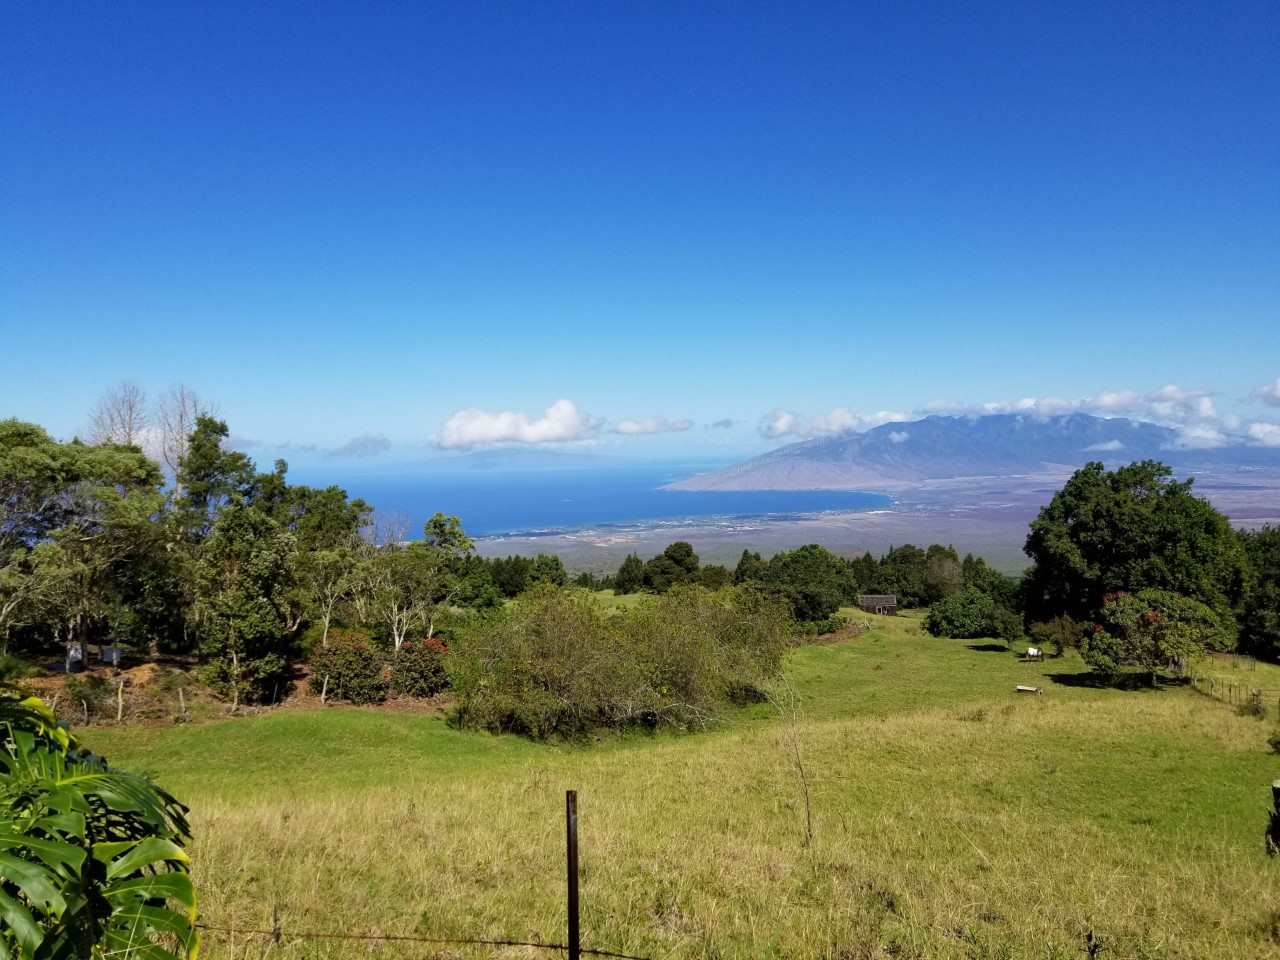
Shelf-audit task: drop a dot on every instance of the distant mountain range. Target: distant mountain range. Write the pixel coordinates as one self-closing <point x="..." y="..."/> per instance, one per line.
<point x="902" y="454"/>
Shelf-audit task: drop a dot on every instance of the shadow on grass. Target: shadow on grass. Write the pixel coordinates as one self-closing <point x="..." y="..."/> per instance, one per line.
<point x="988" y="647"/>
<point x="1123" y="681"/>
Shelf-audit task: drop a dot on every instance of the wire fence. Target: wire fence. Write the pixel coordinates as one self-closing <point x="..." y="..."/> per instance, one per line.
<point x="1263" y="702"/>
<point x="572" y="947"/>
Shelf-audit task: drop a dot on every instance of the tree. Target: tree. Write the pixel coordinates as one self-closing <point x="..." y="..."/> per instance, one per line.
<point x="750" y="568"/>
<point x="676" y="564"/>
<point x="1151" y="631"/>
<point x="714" y="576"/>
<point x="120" y="416"/>
<point x="330" y="577"/>
<point x="176" y="416"/>
<point x="630" y="576"/>
<point x="245" y="568"/>
<point x="209" y="477"/>
<point x="409" y="584"/>
<point x="813" y="579"/>
<point x="943" y="572"/>
<point x="548" y="568"/>
<point x="1128" y="530"/>
<point x="903" y="571"/>
<point x="1260" y="619"/>
<point x="965" y="615"/>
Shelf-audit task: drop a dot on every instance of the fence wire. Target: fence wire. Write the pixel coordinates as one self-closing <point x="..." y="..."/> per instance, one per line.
<point x="279" y="935"/>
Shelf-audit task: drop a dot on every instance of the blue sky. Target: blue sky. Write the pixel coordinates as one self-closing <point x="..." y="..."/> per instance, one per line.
<point x="354" y="221"/>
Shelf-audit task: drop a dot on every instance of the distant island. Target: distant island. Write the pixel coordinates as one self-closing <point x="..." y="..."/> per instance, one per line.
<point x="905" y="454"/>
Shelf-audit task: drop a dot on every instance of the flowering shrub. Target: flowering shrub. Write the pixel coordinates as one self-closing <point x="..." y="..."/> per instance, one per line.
<point x="349" y="668"/>
<point x="417" y="668"/>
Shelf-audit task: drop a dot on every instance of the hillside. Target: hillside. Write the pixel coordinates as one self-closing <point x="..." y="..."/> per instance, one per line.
<point x="908" y="452"/>
<point x="953" y="818"/>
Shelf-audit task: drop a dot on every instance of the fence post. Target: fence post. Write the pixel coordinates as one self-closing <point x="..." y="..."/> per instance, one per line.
<point x="571" y="838"/>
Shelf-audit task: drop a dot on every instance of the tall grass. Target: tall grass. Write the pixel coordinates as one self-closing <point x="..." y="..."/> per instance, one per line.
<point x="951" y="818"/>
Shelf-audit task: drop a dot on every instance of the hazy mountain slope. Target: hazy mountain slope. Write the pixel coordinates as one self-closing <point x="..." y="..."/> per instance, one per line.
<point x="898" y="454"/>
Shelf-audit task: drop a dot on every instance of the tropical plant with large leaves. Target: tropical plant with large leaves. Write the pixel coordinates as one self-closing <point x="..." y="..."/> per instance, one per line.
<point x="91" y="859"/>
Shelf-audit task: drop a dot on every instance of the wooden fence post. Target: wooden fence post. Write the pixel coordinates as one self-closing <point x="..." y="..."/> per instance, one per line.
<point x="571" y="837"/>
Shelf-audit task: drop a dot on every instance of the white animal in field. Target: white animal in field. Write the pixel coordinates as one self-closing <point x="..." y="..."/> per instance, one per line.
<point x="1034" y="653"/>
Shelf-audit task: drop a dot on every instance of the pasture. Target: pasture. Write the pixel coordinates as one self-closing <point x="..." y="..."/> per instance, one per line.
<point x="952" y="818"/>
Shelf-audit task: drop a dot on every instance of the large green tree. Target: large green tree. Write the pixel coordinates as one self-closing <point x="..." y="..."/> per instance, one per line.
<point x="1126" y="530"/>
<point x="1260" y="621"/>
<point x="812" y="578"/>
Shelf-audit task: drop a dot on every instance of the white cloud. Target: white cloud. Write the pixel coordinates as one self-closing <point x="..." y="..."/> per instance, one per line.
<point x="778" y="423"/>
<point x="561" y="422"/>
<point x="1105" y="447"/>
<point x="898" y="436"/>
<point x="1265" y="434"/>
<point x="782" y="423"/>
<point x="1203" y="437"/>
<point x="1269" y="394"/>
<point x="652" y="425"/>
<point x="365" y="445"/>
<point x="1171" y="405"/>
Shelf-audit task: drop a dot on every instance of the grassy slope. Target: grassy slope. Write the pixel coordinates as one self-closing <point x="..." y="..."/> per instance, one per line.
<point x="953" y="818"/>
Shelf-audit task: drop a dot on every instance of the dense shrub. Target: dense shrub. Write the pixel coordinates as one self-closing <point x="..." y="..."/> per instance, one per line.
<point x="964" y="615"/>
<point x="1151" y="631"/>
<point x="1006" y="625"/>
<point x="1059" y="634"/>
<point x="349" y="668"/>
<point x="417" y="668"/>
<point x="819" y="628"/>
<point x="813" y="579"/>
<point x="553" y="663"/>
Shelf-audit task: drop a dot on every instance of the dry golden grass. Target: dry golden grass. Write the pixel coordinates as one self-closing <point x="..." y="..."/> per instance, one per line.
<point x="985" y="825"/>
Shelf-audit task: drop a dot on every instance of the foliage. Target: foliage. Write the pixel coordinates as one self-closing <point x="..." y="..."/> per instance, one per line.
<point x="1127" y="530"/>
<point x="1260" y="619"/>
<point x="630" y="576"/>
<point x="964" y="615"/>
<point x="813" y="579"/>
<point x="1152" y="631"/>
<point x="676" y="564"/>
<point x="819" y="628"/>
<point x="91" y="859"/>
<point x="350" y="668"/>
<point x="1059" y="634"/>
<point x="417" y="668"/>
<point x="244" y="570"/>
<point x="553" y="663"/>
<point x="751" y="567"/>
<point x="1006" y="625"/>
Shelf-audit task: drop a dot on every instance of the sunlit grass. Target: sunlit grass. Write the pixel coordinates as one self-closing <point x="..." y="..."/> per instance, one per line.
<point x="953" y="818"/>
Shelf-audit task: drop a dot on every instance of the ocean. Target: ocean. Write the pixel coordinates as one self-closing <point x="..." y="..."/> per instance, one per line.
<point x="546" y="502"/>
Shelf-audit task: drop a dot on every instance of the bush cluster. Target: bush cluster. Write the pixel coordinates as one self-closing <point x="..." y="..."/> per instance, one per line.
<point x="417" y="668"/>
<point x="350" y="668"/>
<point x="553" y="663"/>
<point x="359" y="670"/>
<point x="965" y="615"/>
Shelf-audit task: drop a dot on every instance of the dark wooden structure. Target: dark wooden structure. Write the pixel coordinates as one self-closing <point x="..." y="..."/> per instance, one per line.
<point x="883" y="603"/>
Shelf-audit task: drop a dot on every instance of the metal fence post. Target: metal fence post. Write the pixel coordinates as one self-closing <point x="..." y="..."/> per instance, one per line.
<point x="571" y="837"/>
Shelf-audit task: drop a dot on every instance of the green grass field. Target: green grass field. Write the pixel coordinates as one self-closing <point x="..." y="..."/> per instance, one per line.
<point x="952" y="818"/>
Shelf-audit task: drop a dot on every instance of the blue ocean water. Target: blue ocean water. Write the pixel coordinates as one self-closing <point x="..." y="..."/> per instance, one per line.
<point x="492" y="503"/>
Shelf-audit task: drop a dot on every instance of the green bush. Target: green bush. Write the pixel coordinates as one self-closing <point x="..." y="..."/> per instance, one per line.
<point x="92" y="695"/>
<point x="15" y="668"/>
<point x="350" y="668"/>
<point x="1059" y="634"/>
<point x="1149" y="631"/>
<point x="554" y="663"/>
<point x="819" y="628"/>
<point x="1273" y="742"/>
<point x="965" y="615"/>
<point x="1006" y="625"/>
<point x="417" y="668"/>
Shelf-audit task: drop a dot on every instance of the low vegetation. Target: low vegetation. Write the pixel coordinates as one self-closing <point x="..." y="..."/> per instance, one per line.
<point x="953" y="818"/>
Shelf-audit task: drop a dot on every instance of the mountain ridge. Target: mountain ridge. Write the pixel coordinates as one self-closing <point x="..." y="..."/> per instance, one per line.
<point x="910" y="452"/>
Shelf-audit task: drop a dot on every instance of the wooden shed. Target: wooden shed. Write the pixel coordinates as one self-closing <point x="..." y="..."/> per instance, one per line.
<point x="883" y="603"/>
